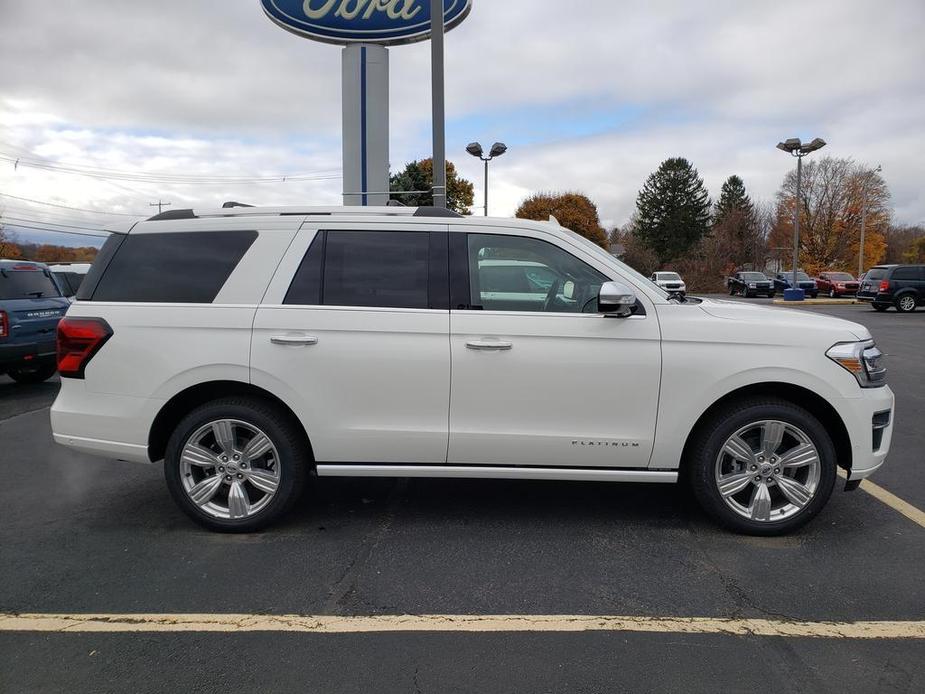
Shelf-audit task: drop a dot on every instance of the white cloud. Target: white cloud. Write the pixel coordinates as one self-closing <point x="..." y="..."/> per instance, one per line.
<point x="216" y="89"/>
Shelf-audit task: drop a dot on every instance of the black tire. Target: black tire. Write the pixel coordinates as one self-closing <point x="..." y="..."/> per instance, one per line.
<point x="748" y="294"/>
<point x="278" y="425"/>
<point x="880" y="308"/>
<point x="905" y="303"/>
<point x="33" y="374"/>
<point x="732" y="290"/>
<point x="711" y="437"/>
<point x="814" y="295"/>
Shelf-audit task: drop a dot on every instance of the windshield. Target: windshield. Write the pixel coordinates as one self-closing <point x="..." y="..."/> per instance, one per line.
<point x="876" y="274"/>
<point x="840" y="276"/>
<point x="26" y="284"/>
<point x="801" y="276"/>
<point x="754" y="277"/>
<point x="670" y="276"/>
<point x="594" y="249"/>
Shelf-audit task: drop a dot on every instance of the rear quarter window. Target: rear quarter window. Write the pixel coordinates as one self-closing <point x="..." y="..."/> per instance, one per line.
<point x="178" y="267"/>
<point x="906" y="273"/>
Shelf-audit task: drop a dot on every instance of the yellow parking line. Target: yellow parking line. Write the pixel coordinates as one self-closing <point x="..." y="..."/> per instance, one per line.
<point x="894" y="502"/>
<point x="326" y="624"/>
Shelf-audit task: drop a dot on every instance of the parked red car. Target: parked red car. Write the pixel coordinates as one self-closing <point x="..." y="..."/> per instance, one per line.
<point x="837" y="284"/>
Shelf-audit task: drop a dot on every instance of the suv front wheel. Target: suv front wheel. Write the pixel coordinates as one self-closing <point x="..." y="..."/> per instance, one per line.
<point x="236" y="464"/>
<point x="763" y="466"/>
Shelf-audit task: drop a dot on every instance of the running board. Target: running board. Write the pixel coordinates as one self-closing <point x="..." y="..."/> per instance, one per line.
<point x="492" y="472"/>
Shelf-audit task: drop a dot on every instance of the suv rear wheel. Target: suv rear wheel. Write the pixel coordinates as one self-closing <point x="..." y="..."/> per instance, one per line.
<point x="905" y="303"/>
<point x="763" y="466"/>
<point x="236" y="464"/>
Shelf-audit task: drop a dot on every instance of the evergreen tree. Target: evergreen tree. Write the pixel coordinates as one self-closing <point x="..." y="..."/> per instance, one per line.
<point x="736" y="220"/>
<point x="673" y="210"/>
<point x="733" y="197"/>
<point x="419" y="175"/>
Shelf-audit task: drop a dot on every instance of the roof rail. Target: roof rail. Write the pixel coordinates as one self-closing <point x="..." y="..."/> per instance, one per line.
<point x="172" y="214"/>
<point x="435" y="212"/>
<point x="236" y="209"/>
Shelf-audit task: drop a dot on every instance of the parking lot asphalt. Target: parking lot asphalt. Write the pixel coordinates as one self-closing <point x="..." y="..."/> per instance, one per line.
<point x="84" y="535"/>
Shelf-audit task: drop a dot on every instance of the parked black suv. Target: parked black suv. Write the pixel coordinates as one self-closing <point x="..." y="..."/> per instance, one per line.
<point x="902" y="286"/>
<point x="750" y="283"/>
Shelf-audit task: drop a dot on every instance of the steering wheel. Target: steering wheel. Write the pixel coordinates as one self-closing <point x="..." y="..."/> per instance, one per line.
<point x="551" y="294"/>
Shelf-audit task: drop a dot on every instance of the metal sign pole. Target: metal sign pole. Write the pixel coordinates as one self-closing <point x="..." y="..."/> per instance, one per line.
<point x="436" y="67"/>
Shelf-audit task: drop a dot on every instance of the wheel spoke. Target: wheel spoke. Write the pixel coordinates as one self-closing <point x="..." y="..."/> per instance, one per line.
<point x="264" y="480"/>
<point x="739" y="449"/>
<point x="760" y="507"/>
<point x="194" y="454"/>
<point x="796" y="493"/>
<point x="238" y="503"/>
<point x="257" y="447"/>
<point x="203" y="492"/>
<point x="732" y="484"/>
<point x="772" y="433"/>
<point x="804" y="454"/>
<point x="224" y="435"/>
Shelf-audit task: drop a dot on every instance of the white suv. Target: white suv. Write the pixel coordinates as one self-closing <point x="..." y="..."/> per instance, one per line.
<point x="249" y="348"/>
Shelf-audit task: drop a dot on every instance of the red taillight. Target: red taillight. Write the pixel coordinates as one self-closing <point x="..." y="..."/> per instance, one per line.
<point x="884" y="285"/>
<point x="4" y="325"/>
<point x="78" y="340"/>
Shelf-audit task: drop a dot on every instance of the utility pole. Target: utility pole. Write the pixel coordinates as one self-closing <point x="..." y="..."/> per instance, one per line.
<point x="159" y="205"/>
<point x="867" y="176"/>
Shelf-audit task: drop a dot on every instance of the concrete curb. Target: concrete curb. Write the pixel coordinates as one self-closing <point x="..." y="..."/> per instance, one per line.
<point x="820" y="302"/>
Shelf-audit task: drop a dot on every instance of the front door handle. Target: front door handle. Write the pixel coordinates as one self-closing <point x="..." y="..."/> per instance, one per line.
<point x="294" y="340"/>
<point x="489" y="345"/>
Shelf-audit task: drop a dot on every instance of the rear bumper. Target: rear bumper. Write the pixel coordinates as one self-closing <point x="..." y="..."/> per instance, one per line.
<point x="23" y="353"/>
<point x="112" y="426"/>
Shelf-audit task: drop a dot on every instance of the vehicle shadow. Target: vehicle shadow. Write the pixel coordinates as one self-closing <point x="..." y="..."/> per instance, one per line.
<point x="19" y="398"/>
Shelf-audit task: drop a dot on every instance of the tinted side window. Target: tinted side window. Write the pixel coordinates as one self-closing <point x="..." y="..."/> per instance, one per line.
<point x="182" y="267"/>
<point x="906" y="273"/>
<point x="387" y="269"/>
<point x="305" y="289"/>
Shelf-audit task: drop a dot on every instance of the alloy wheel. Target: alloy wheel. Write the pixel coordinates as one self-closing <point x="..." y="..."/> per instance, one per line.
<point x="768" y="471"/>
<point x="230" y="469"/>
<point x="906" y="303"/>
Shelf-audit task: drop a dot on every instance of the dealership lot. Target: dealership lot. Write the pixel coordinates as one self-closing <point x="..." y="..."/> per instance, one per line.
<point x="81" y="535"/>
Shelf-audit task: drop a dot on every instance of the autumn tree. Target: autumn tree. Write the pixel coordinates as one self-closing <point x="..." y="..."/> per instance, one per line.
<point x="573" y="211"/>
<point x="419" y="176"/>
<point x="673" y="210"/>
<point x="835" y="193"/>
<point x="635" y="253"/>
<point x="899" y="240"/>
<point x="915" y="252"/>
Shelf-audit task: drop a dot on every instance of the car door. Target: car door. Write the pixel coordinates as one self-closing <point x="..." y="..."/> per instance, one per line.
<point x="353" y="333"/>
<point x="546" y="381"/>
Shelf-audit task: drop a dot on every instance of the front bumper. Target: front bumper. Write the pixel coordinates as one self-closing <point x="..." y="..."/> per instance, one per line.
<point x="26" y="353"/>
<point x="870" y="441"/>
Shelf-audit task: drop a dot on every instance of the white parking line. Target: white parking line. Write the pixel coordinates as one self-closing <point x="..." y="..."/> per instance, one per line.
<point x="894" y="502"/>
<point x="326" y="624"/>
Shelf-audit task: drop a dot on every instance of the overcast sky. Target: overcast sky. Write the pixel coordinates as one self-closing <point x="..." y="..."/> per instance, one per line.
<point x="589" y="96"/>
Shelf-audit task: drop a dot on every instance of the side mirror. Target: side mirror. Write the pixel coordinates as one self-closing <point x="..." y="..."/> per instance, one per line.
<point x="616" y="300"/>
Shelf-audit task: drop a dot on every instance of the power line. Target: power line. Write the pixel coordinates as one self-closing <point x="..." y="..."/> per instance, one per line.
<point x="60" y="231"/>
<point x="150" y="177"/>
<point x="68" y="207"/>
<point x="56" y="224"/>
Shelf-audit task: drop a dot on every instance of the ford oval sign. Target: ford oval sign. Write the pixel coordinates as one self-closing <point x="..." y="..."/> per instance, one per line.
<point x="362" y="21"/>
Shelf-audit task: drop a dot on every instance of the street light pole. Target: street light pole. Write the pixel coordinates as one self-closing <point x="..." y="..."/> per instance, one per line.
<point x="497" y="149"/>
<point x="796" y="148"/>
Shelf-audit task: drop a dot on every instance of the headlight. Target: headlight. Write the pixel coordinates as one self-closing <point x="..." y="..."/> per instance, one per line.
<point x="863" y="360"/>
<point x="752" y="285"/>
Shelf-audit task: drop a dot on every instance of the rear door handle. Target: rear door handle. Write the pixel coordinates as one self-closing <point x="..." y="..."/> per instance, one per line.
<point x="294" y="340"/>
<point x="489" y="345"/>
